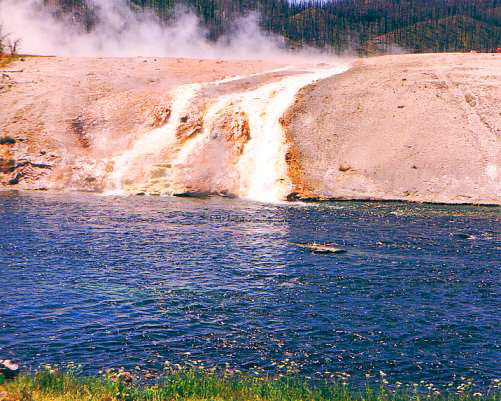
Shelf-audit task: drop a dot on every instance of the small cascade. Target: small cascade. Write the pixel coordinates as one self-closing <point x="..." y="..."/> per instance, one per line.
<point x="129" y="167"/>
<point x="263" y="167"/>
<point x="228" y="143"/>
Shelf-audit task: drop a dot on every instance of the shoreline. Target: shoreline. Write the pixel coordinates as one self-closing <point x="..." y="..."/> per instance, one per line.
<point x="422" y="128"/>
<point x="417" y="128"/>
<point x="195" y="385"/>
<point x="291" y="201"/>
<point x="306" y="201"/>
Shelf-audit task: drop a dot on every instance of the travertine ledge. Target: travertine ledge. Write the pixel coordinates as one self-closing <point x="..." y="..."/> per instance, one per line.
<point x="423" y="128"/>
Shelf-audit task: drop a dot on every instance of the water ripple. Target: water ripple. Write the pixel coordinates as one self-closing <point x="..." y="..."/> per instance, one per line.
<point x="110" y="282"/>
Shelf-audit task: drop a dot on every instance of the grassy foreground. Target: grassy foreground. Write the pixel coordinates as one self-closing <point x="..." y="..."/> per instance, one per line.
<point x="195" y="386"/>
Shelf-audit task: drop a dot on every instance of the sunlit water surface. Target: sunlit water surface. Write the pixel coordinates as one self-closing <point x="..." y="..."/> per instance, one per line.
<point x="111" y="282"/>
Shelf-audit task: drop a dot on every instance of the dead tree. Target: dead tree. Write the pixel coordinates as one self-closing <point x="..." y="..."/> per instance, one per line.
<point x="2" y="40"/>
<point x="8" y="46"/>
<point x="13" y="46"/>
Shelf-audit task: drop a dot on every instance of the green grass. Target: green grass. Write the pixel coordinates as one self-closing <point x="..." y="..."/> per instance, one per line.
<point x="196" y="386"/>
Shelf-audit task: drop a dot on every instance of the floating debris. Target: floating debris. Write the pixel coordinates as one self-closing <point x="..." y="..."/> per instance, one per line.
<point x="318" y="248"/>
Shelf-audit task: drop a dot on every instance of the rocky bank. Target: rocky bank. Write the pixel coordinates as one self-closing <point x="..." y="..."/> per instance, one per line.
<point x="423" y="128"/>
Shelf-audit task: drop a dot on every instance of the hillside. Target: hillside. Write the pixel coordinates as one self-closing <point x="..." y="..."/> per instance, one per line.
<point x="444" y="35"/>
<point x="420" y="127"/>
<point x="424" y="26"/>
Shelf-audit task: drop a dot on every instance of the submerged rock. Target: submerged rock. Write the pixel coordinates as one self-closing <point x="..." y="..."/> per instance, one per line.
<point x="194" y="194"/>
<point x="318" y="248"/>
<point x="8" y="369"/>
<point x="150" y="376"/>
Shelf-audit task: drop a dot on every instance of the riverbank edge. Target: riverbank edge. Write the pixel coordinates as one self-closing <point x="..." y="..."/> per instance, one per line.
<point x="367" y="134"/>
<point x="292" y="198"/>
<point x="201" y="386"/>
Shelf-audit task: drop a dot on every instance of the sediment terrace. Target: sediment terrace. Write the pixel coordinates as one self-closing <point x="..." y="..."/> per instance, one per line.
<point x="423" y="128"/>
<point x="416" y="127"/>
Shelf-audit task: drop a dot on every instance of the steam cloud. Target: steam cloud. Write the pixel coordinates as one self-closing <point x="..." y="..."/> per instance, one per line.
<point x="123" y="32"/>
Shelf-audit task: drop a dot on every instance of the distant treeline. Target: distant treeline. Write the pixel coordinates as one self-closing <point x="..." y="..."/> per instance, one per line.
<point x="367" y="26"/>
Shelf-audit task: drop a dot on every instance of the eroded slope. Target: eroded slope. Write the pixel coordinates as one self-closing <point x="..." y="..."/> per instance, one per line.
<point x="414" y="127"/>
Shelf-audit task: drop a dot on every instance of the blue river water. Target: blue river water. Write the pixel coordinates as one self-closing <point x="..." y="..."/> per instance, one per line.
<point x="110" y="282"/>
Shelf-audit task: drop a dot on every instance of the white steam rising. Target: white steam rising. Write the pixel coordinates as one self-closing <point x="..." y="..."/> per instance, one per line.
<point x="122" y="32"/>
